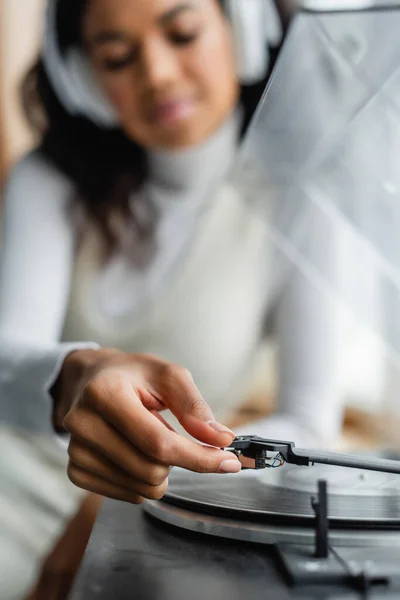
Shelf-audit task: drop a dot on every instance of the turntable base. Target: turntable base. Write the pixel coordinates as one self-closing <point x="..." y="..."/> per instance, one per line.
<point x="130" y="556"/>
<point x="247" y="540"/>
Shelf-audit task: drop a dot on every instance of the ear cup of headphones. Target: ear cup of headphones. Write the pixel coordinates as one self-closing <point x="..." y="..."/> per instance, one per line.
<point x="89" y="97"/>
<point x="72" y="77"/>
<point x="249" y="19"/>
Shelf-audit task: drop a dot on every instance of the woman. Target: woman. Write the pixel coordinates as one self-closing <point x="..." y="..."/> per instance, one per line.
<point x="120" y="229"/>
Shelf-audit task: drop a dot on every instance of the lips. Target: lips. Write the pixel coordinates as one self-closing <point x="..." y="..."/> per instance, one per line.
<point x="172" y="111"/>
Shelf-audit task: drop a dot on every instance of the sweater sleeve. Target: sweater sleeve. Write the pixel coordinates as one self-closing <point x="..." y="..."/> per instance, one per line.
<point x="37" y="255"/>
<point x="310" y="402"/>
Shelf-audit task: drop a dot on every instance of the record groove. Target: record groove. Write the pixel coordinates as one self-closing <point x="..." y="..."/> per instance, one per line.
<point x="256" y="499"/>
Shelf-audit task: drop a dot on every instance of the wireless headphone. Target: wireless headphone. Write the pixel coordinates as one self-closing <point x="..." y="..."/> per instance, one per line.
<point x="255" y="23"/>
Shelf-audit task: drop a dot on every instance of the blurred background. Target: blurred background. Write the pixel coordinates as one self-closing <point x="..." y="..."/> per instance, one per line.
<point x="20" y="24"/>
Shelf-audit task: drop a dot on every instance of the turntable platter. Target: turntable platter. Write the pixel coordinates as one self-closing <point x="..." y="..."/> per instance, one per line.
<point x="356" y="498"/>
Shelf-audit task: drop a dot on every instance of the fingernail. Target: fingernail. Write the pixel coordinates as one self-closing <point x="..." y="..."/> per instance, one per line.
<point x="219" y="428"/>
<point x="230" y="466"/>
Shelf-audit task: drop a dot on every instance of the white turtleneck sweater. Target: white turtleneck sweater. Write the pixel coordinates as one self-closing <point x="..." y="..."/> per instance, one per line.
<point x="201" y="302"/>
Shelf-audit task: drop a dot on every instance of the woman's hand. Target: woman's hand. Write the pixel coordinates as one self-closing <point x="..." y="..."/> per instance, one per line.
<point x="120" y="446"/>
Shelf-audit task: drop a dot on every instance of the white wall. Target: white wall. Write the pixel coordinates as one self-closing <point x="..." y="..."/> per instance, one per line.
<point x="20" y="25"/>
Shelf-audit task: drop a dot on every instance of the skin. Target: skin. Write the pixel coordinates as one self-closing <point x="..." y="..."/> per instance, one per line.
<point x="167" y="66"/>
<point x="110" y="402"/>
<point x="120" y="446"/>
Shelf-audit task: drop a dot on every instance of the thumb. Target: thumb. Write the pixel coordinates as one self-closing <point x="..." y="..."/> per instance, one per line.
<point x="192" y="411"/>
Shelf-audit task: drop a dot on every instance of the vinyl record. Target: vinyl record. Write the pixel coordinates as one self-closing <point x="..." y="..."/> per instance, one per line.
<point x="362" y="499"/>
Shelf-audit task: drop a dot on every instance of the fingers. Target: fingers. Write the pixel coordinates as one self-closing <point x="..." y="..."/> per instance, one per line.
<point x="165" y="446"/>
<point x="114" y="395"/>
<point x="96" y="485"/>
<point x="182" y="397"/>
<point x="90" y="430"/>
<point x="88" y="460"/>
<point x="111" y="419"/>
<point x="149" y="435"/>
<point x="142" y="445"/>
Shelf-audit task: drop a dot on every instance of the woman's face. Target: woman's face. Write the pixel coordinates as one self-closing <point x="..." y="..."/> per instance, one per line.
<point x="167" y="66"/>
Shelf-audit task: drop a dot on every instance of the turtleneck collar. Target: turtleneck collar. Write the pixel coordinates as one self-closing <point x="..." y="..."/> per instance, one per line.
<point x="186" y="168"/>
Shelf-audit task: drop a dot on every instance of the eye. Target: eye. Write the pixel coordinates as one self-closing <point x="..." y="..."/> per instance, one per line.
<point x="183" y="39"/>
<point x="117" y="64"/>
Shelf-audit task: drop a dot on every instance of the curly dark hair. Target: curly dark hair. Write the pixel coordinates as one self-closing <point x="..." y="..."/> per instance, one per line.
<point x="105" y="166"/>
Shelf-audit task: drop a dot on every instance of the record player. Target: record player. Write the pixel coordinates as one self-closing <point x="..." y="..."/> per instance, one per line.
<point x="282" y="531"/>
<point x="331" y="518"/>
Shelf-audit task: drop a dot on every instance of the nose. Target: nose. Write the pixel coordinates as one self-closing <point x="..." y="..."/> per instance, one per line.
<point x="160" y="65"/>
